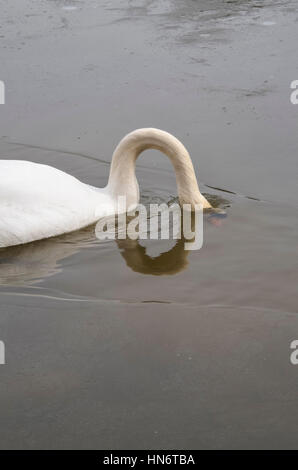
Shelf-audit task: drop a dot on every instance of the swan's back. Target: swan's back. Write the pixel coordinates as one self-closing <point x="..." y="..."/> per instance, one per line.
<point x="38" y="201"/>
<point x="28" y="182"/>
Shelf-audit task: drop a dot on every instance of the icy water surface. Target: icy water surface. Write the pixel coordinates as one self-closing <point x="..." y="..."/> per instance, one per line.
<point x="134" y="344"/>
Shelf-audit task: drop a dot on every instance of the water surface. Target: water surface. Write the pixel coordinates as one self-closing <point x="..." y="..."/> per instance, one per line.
<point x="134" y="344"/>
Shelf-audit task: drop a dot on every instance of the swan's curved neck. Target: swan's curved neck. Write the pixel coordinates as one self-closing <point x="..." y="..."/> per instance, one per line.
<point x="122" y="179"/>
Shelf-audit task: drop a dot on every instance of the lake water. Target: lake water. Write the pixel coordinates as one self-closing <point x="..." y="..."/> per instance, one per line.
<point x="133" y="344"/>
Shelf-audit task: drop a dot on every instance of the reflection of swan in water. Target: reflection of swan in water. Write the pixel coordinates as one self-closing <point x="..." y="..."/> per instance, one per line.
<point x="39" y="201"/>
<point x="169" y="262"/>
<point x="171" y="258"/>
<point x="34" y="261"/>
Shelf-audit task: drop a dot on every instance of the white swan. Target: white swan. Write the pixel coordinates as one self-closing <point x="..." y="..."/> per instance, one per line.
<point x="38" y="201"/>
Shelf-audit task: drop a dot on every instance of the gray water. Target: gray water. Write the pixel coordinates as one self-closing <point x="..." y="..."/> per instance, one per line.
<point x="131" y="345"/>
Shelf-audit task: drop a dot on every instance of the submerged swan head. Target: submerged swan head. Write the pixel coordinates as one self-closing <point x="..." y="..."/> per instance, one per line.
<point x="122" y="179"/>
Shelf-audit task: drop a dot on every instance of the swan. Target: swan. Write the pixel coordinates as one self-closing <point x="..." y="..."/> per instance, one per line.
<point x="39" y="201"/>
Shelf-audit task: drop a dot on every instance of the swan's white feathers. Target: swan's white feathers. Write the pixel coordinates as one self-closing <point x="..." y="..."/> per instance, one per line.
<point x="39" y="201"/>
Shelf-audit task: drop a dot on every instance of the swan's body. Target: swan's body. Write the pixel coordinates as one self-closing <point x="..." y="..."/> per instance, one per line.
<point x="38" y="201"/>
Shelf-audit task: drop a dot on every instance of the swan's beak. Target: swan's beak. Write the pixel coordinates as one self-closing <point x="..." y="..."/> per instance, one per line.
<point x="216" y="217"/>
